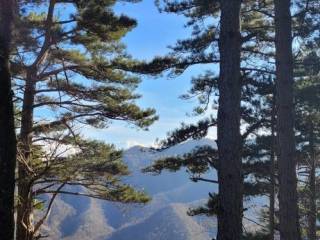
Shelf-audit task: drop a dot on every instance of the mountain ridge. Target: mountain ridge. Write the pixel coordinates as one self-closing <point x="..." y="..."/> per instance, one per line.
<point x="172" y="195"/>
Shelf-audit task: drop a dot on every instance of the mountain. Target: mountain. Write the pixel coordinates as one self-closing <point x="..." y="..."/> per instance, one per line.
<point x="171" y="222"/>
<point x="164" y="218"/>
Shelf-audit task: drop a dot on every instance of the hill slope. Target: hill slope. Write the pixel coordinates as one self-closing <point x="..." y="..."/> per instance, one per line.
<point x="171" y="222"/>
<point x="164" y="218"/>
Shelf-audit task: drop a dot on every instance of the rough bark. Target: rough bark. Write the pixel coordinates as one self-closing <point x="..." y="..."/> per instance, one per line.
<point x="289" y="221"/>
<point x="7" y="129"/>
<point x="24" y="209"/>
<point x="229" y="140"/>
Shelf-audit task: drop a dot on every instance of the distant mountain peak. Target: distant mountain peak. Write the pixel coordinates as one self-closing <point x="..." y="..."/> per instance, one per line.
<point x="138" y="157"/>
<point x="190" y="143"/>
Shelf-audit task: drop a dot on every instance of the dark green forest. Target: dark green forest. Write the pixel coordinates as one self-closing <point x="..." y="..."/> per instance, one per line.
<point x="65" y="69"/>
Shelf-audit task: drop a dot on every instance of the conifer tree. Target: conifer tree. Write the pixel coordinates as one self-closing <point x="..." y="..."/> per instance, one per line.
<point x="258" y="48"/>
<point x="73" y="67"/>
<point x="288" y="202"/>
<point x="7" y="129"/>
<point x="307" y="137"/>
<point x="202" y="48"/>
<point x="306" y="108"/>
<point x="228" y="125"/>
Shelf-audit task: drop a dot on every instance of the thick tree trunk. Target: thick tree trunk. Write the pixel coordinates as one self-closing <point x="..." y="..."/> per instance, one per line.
<point x="272" y="175"/>
<point x="229" y="140"/>
<point x="289" y="220"/>
<point x="24" y="209"/>
<point x="7" y="129"/>
<point x="312" y="211"/>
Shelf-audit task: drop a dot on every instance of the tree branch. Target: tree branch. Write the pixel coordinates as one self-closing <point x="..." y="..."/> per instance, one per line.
<point x="196" y="179"/>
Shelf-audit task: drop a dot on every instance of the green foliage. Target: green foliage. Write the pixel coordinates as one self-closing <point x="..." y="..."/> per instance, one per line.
<point x="74" y="62"/>
<point x="258" y="95"/>
<point x="197" y="162"/>
<point x="94" y="166"/>
<point x="211" y="208"/>
<point x="79" y="75"/>
<point x="82" y="75"/>
<point x="257" y="76"/>
<point x="308" y="129"/>
<point x="186" y="132"/>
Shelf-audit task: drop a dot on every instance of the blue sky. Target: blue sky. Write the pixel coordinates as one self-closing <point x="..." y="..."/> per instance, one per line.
<point x="154" y="33"/>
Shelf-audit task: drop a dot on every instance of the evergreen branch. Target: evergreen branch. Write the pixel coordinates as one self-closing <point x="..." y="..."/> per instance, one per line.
<point x="259" y="70"/>
<point x="55" y="72"/>
<point x="96" y="196"/>
<point x="185" y="132"/>
<point x="196" y="179"/>
<point x="48" y="103"/>
<point x="253" y="128"/>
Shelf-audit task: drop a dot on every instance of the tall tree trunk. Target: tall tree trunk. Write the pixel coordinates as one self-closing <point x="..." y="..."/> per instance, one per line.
<point x="272" y="174"/>
<point x="7" y="130"/>
<point x="24" y="209"/>
<point x="312" y="211"/>
<point x="289" y="220"/>
<point x="229" y="140"/>
<point x="25" y="228"/>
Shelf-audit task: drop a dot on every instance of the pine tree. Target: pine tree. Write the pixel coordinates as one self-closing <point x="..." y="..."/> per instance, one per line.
<point x="228" y="125"/>
<point x="306" y="85"/>
<point x="288" y="202"/>
<point x="257" y="154"/>
<point x="202" y="48"/>
<point x="7" y="128"/>
<point x="257" y="47"/>
<point x="307" y="125"/>
<point x="74" y="68"/>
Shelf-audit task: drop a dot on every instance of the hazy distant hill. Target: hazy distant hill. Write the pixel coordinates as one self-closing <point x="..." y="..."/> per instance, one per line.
<point x="164" y="218"/>
<point x="170" y="222"/>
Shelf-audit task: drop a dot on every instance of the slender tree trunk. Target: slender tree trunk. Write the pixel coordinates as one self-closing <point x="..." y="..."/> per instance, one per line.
<point x="312" y="211"/>
<point x="289" y="220"/>
<point x="25" y="228"/>
<point x="272" y="174"/>
<point x="229" y="140"/>
<point x="7" y="130"/>
<point x="24" y="210"/>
